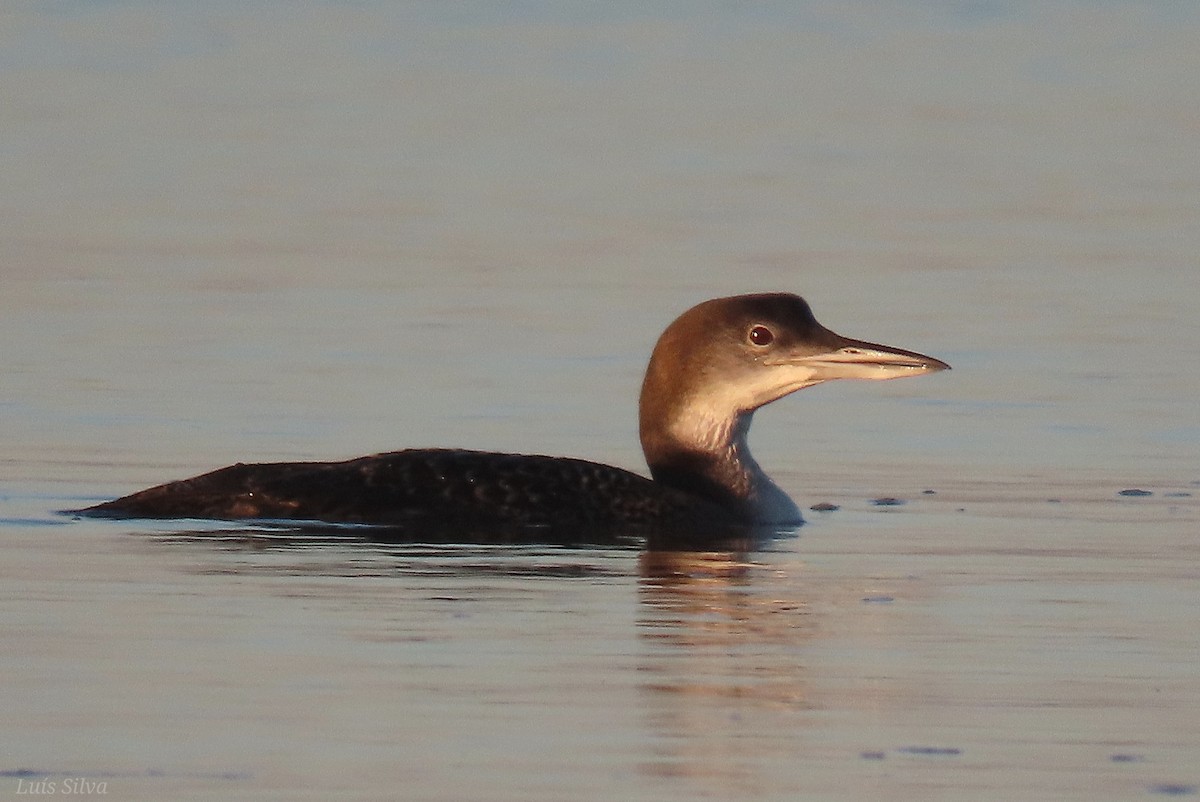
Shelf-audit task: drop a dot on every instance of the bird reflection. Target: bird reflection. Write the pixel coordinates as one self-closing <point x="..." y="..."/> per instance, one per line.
<point x="721" y="637"/>
<point x="723" y="673"/>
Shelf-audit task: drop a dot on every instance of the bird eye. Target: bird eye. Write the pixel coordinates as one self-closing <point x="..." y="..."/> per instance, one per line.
<point x="761" y="336"/>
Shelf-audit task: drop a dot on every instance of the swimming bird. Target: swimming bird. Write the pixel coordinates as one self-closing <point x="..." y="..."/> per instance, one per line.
<point x="710" y="370"/>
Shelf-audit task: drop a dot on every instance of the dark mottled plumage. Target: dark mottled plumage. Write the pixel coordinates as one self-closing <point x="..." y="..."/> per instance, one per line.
<point x="454" y="487"/>
<point x="711" y="368"/>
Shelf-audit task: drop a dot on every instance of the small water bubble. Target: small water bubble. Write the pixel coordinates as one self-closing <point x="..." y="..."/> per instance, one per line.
<point x="930" y="750"/>
<point x="1173" y="789"/>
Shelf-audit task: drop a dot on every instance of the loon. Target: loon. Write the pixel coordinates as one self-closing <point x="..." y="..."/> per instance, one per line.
<point x="710" y="370"/>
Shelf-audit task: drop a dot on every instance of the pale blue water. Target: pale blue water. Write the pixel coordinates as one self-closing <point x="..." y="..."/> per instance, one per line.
<point x="312" y="231"/>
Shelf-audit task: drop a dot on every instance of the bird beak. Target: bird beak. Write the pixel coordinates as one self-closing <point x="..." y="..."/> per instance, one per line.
<point x="855" y="359"/>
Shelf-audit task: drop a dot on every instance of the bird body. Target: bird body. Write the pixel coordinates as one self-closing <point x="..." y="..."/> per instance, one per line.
<point x="709" y="371"/>
<point x="415" y="487"/>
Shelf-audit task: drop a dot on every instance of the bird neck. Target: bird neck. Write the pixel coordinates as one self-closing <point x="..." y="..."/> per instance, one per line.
<point x="707" y="455"/>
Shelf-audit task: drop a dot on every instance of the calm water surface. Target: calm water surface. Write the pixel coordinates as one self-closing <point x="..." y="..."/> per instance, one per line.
<point x="319" y="231"/>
